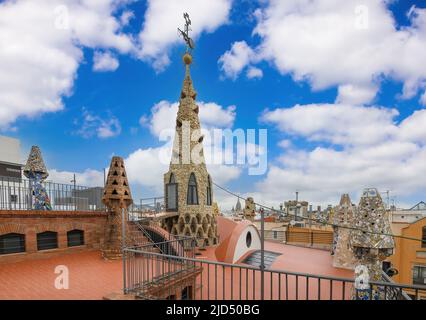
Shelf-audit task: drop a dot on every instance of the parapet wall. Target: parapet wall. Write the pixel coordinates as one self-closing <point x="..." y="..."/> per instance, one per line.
<point x="32" y="222"/>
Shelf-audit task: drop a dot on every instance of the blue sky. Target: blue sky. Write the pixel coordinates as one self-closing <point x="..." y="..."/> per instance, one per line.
<point x="371" y="88"/>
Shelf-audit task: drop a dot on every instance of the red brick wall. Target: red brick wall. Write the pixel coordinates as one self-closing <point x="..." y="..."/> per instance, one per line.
<point x="32" y="222"/>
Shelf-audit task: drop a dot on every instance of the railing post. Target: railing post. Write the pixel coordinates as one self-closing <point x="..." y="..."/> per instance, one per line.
<point x="262" y="255"/>
<point x="123" y="246"/>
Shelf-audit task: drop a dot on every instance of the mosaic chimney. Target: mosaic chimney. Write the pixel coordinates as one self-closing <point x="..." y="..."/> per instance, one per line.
<point x="343" y="256"/>
<point x="35" y="170"/>
<point x="371" y="242"/>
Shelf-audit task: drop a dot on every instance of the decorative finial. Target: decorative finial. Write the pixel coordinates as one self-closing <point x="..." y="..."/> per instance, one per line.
<point x="190" y="45"/>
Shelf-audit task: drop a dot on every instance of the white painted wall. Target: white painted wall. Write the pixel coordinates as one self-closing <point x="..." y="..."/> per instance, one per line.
<point x="10" y="150"/>
<point x="241" y="248"/>
<point x="407" y="216"/>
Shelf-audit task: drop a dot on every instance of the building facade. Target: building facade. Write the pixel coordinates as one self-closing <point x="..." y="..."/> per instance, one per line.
<point x="10" y="158"/>
<point x="409" y="258"/>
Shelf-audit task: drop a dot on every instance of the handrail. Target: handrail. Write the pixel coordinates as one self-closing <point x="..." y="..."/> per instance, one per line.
<point x="146" y="234"/>
<point x="293" y="273"/>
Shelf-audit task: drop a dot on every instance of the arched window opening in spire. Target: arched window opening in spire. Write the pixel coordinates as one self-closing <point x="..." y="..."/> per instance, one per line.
<point x="172" y="194"/>
<point x="192" y="190"/>
<point x="209" y="192"/>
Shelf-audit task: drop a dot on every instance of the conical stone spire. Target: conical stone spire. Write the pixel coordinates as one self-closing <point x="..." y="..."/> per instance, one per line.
<point x="342" y="220"/>
<point x="187" y="184"/>
<point x="117" y="191"/>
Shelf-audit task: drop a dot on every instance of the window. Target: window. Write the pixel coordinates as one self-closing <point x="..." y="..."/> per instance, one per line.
<point x="248" y="239"/>
<point x="424" y="237"/>
<point x="186" y="293"/>
<point x="254" y="258"/>
<point x="419" y="275"/>
<point x="275" y="234"/>
<point x="13" y="198"/>
<point x="209" y="192"/>
<point x="12" y="243"/>
<point x="47" y="240"/>
<point x="172" y="194"/>
<point x="75" y="238"/>
<point x="192" y="197"/>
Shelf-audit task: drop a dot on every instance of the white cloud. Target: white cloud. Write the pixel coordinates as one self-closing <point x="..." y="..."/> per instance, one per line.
<point x="236" y="59"/>
<point x="163" y="116"/>
<point x="42" y="48"/>
<point x="125" y="17"/>
<point x="145" y="168"/>
<point x="104" y="61"/>
<point x="162" y="17"/>
<point x="94" y="125"/>
<point x="413" y="128"/>
<point x="336" y="124"/>
<point x="325" y="43"/>
<point x="253" y="73"/>
<point x="356" y="95"/>
<point x="423" y="99"/>
<point x="88" y="178"/>
<point x="373" y="151"/>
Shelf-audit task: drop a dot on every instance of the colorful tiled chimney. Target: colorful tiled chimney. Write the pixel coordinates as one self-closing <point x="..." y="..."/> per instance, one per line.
<point x="371" y="242"/>
<point x="36" y="172"/>
<point x="343" y="256"/>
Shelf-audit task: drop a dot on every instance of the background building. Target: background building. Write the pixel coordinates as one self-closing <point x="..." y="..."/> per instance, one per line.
<point x="296" y="208"/>
<point x="409" y="257"/>
<point x="411" y="215"/>
<point x="10" y="157"/>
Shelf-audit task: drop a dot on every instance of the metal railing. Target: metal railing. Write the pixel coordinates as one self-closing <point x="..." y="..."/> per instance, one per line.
<point x="16" y="194"/>
<point x="147" y="207"/>
<point x="150" y="274"/>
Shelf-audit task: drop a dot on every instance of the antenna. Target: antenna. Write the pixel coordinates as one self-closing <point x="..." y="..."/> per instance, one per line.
<point x="190" y="44"/>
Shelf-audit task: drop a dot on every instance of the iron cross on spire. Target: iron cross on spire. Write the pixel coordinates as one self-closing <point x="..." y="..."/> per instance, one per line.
<point x="185" y="34"/>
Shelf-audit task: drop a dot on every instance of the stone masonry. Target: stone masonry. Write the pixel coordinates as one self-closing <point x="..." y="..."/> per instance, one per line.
<point x="194" y="219"/>
<point x="250" y="209"/>
<point x="116" y="197"/>
<point x="371" y="242"/>
<point x="343" y="256"/>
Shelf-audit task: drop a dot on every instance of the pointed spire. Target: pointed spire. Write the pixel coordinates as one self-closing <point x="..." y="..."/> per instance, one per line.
<point x="35" y="163"/>
<point x="117" y="191"/>
<point x="188" y="89"/>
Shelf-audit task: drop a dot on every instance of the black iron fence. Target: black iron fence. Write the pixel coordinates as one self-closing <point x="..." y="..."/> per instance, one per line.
<point x="151" y="274"/>
<point x="16" y="194"/>
<point x="147" y="207"/>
